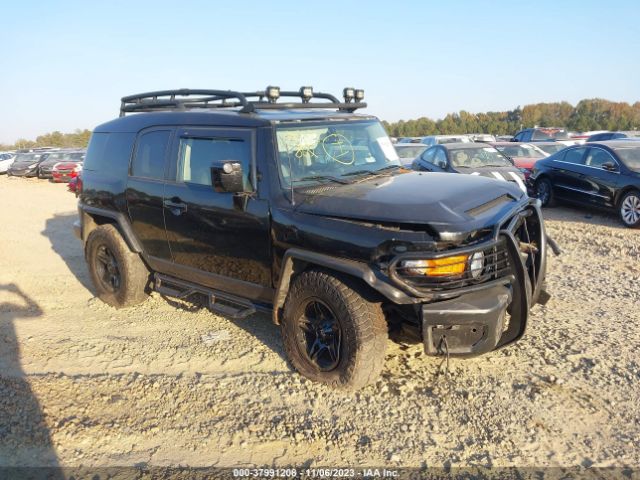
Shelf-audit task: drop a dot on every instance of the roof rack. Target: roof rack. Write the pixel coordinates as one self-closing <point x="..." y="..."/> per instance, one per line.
<point x="187" y="99"/>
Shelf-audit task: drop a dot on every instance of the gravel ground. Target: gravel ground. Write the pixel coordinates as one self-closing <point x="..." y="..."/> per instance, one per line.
<point x="169" y="383"/>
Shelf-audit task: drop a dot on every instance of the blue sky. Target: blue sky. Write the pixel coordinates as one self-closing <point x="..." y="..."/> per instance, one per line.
<point x="66" y="64"/>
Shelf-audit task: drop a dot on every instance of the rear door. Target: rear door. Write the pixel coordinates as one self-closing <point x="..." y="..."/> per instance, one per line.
<point x="145" y="190"/>
<point x="222" y="237"/>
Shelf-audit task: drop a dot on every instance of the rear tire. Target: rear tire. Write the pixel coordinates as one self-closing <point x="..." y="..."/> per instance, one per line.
<point x="343" y="320"/>
<point x="119" y="276"/>
<point x="544" y="192"/>
<point x="629" y="209"/>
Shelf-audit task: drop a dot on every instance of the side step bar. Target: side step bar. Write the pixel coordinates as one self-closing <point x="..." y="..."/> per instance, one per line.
<point x="218" y="302"/>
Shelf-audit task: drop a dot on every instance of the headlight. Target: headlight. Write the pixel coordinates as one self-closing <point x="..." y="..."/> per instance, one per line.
<point x="525" y="170"/>
<point x="476" y="264"/>
<point x="31" y="166"/>
<point x="436" y="267"/>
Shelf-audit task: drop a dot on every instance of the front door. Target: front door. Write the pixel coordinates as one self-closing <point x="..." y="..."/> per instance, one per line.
<point x="224" y="236"/>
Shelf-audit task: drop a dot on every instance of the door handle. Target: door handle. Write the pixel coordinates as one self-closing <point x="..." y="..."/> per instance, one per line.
<point x="177" y="207"/>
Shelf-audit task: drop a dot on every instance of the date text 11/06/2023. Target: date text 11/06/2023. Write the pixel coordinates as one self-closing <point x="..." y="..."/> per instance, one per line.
<point x="315" y="473"/>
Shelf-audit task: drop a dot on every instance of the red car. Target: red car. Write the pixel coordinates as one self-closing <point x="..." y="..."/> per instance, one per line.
<point x="524" y="155"/>
<point x="63" y="172"/>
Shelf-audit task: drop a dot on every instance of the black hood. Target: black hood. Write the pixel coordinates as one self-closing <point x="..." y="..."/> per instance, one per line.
<point x="445" y="201"/>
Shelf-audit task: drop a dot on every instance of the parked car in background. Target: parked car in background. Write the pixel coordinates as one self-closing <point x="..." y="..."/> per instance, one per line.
<point x="63" y="172"/>
<point x="46" y="166"/>
<point x="604" y="136"/>
<point x="408" y="152"/>
<point x="550" y="147"/>
<point x="26" y="164"/>
<point x="442" y="139"/>
<point x="504" y="138"/>
<point x="470" y="158"/>
<point x="409" y="140"/>
<point x="482" y="137"/>
<point x="75" y="184"/>
<point x="6" y="159"/>
<point x="524" y="155"/>
<point x="601" y="174"/>
<point x="544" y="134"/>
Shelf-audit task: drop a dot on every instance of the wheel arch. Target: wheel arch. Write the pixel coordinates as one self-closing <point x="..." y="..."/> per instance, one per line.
<point x="93" y="217"/>
<point x="623" y="191"/>
<point x="296" y="261"/>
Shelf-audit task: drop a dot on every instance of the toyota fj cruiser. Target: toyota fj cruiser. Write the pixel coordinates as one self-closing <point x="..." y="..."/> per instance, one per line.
<point x="303" y="210"/>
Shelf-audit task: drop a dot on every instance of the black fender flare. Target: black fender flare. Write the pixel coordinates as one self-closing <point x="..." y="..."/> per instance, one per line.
<point x="119" y="219"/>
<point x="295" y="260"/>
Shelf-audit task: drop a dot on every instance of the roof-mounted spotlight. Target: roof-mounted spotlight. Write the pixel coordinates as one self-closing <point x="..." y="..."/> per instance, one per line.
<point x="272" y="93"/>
<point x="359" y="93"/>
<point x="306" y="93"/>
<point x="349" y="94"/>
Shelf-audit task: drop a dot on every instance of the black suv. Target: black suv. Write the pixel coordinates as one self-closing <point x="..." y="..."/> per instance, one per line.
<point x="303" y="209"/>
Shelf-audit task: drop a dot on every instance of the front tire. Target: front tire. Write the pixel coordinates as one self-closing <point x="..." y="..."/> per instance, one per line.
<point x="334" y="330"/>
<point x="544" y="192"/>
<point x="119" y="276"/>
<point x="629" y="209"/>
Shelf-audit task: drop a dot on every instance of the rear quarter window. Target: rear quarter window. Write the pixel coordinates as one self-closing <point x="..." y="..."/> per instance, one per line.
<point x="109" y="153"/>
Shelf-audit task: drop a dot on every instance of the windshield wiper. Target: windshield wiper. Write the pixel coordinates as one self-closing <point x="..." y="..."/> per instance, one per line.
<point x="389" y="167"/>
<point x="358" y="172"/>
<point x="380" y="171"/>
<point x="321" y="177"/>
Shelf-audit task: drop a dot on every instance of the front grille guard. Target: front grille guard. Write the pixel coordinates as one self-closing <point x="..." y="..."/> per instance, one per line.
<point x="526" y="275"/>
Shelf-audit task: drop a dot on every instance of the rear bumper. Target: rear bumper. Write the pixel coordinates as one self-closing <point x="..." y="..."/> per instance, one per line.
<point x="471" y="324"/>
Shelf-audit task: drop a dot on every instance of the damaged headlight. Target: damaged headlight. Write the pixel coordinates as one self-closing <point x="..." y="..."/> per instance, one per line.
<point x="452" y="266"/>
<point x="436" y="267"/>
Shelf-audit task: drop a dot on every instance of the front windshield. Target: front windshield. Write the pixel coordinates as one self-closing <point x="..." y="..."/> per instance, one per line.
<point x="478" y="158"/>
<point x="552" y="148"/>
<point x="630" y="156"/>
<point x="443" y="140"/>
<point x="520" y="151"/>
<point x="27" y="157"/>
<point x="333" y="150"/>
<point x="409" y="152"/>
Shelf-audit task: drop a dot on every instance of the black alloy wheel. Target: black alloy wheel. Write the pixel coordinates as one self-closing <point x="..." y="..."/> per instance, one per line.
<point x="319" y="335"/>
<point x="544" y="192"/>
<point x="107" y="269"/>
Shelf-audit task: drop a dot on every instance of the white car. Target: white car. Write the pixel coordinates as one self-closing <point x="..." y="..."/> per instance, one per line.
<point x="6" y="159"/>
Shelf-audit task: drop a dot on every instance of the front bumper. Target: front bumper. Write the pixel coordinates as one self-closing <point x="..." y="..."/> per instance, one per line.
<point x="23" y="172"/>
<point x="476" y="319"/>
<point x="468" y="325"/>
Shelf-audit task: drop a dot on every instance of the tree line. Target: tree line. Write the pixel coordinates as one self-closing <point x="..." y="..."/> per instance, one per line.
<point x="592" y="114"/>
<point x="77" y="139"/>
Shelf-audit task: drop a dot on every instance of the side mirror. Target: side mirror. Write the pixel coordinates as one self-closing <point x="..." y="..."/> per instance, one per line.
<point x="609" y="166"/>
<point x="226" y="177"/>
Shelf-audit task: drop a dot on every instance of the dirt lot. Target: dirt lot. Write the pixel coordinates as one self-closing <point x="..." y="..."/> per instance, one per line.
<point x="167" y="384"/>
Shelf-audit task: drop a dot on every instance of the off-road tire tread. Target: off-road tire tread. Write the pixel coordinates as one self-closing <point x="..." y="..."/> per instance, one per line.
<point x="134" y="273"/>
<point x="346" y="296"/>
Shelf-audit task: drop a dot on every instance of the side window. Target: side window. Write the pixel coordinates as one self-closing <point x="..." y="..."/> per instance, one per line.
<point x="151" y="148"/>
<point x="440" y="158"/>
<point x="575" y="156"/>
<point x="427" y="156"/>
<point x="597" y="157"/>
<point x="197" y="155"/>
